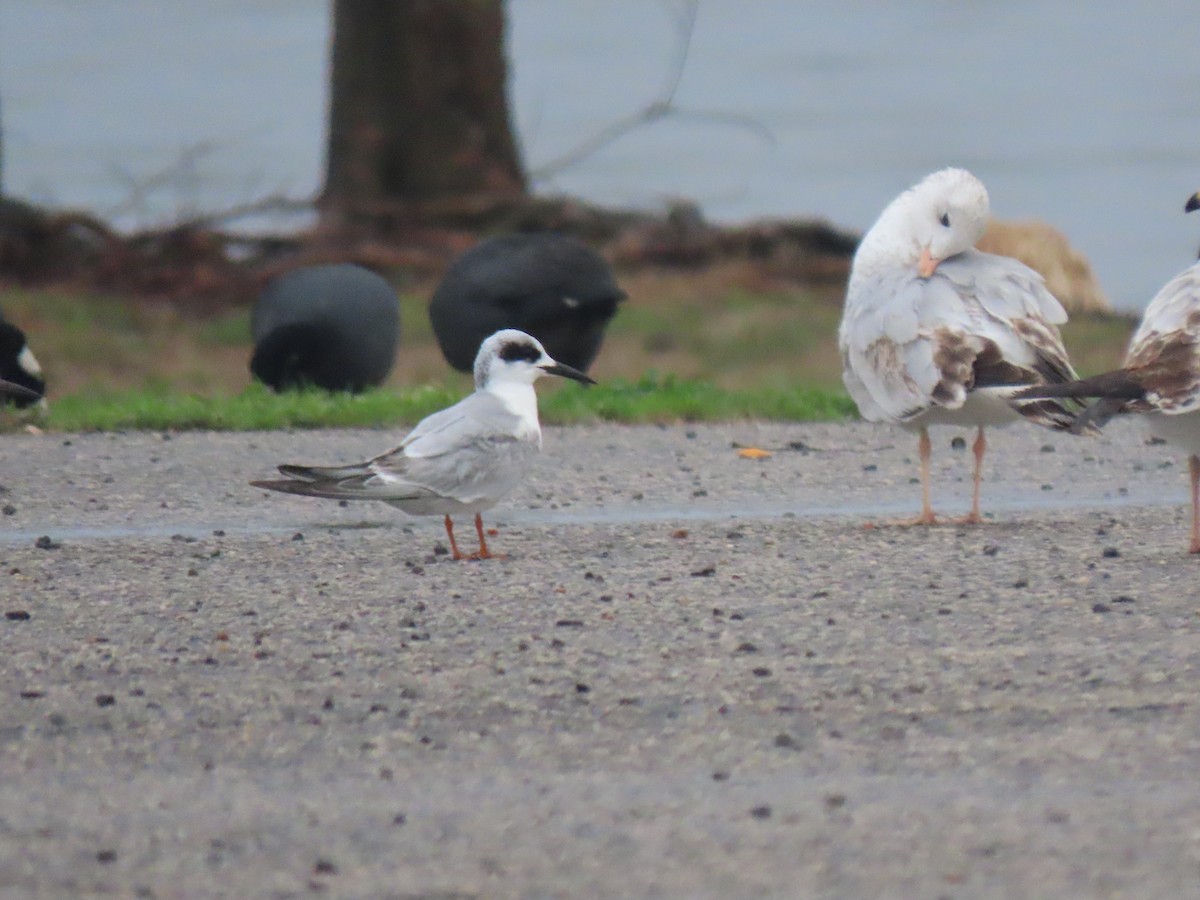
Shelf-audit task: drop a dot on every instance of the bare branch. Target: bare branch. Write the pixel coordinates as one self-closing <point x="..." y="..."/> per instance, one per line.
<point x="685" y="24"/>
<point x="661" y="107"/>
<point x="272" y="203"/>
<point x="736" y="120"/>
<point x="141" y="188"/>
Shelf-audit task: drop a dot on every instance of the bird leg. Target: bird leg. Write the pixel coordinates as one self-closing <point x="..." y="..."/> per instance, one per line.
<point x="483" y="548"/>
<point x="453" y="544"/>
<point x="1194" y="471"/>
<point x="925" y="447"/>
<point x="978" y="448"/>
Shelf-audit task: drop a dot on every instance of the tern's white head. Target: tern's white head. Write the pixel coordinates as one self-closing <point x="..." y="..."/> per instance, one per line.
<point x="940" y="217"/>
<point x="514" y="357"/>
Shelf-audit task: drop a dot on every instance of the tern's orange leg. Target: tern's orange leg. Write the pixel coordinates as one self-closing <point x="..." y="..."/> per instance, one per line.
<point x="1194" y="470"/>
<point x="483" y="541"/>
<point x="484" y="553"/>
<point x="453" y="544"/>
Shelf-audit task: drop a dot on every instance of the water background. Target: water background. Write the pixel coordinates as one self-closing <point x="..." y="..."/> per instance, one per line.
<point x="1085" y="114"/>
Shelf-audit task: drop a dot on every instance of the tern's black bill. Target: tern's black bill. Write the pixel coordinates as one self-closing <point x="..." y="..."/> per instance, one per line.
<point x="567" y="372"/>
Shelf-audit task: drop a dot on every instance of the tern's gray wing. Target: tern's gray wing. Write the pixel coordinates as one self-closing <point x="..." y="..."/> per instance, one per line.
<point x="476" y="450"/>
<point x="909" y="343"/>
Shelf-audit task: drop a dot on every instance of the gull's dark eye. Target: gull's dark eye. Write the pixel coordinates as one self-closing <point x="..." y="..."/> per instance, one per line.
<point x="945" y="219"/>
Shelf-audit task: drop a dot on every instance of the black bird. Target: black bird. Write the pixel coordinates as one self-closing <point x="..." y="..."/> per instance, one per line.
<point x="332" y="326"/>
<point x="21" y="382"/>
<point x="553" y="287"/>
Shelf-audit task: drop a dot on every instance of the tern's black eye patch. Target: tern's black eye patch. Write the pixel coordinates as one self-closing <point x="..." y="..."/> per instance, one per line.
<point x="945" y="219"/>
<point x="515" y="350"/>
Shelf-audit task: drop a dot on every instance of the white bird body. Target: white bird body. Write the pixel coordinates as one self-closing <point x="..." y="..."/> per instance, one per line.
<point x="462" y="459"/>
<point x="935" y="332"/>
<point x="1180" y="429"/>
<point x="1164" y="356"/>
<point x="1160" y="376"/>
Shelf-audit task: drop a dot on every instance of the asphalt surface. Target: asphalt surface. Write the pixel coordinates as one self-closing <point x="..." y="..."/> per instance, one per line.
<point x="695" y="675"/>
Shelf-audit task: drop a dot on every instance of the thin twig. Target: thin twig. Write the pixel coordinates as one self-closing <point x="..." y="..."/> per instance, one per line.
<point x="273" y="203"/>
<point x="659" y="108"/>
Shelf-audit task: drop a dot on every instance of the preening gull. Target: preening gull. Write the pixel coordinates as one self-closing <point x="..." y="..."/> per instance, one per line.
<point x="935" y="332"/>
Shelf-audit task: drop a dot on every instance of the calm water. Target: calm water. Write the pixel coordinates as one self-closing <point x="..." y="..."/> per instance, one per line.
<point x="1086" y="114"/>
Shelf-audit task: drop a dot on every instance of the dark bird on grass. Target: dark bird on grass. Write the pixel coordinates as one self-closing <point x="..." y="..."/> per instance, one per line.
<point x="16" y="393"/>
<point x="1160" y="377"/>
<point x="461" y="460"/>
<point x="21" y="376"/>
<point x="553" y="287"/>
<point x="330" y="326"/>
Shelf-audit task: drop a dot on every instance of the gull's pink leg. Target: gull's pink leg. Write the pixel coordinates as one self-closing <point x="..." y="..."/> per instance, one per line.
<point x="979" y="448"/>
<point x="925" y="447"/>
<point x="1194" y="470"/>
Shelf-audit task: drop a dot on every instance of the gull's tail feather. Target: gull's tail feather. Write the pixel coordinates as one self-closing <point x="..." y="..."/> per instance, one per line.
<point x="1097" y="415"/>
<point x="1055" y="414"/>
<point x="1116" y="385"/>
<point x="1045" y="404"/>
<point x="1112" y="391"/>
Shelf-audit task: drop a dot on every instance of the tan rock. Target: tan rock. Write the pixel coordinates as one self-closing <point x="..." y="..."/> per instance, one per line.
<point x="1046" y="250"/>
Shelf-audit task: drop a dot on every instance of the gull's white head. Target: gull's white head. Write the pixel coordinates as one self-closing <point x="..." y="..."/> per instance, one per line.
<point x="514" y="357"/>
<point x="943" y="215"/>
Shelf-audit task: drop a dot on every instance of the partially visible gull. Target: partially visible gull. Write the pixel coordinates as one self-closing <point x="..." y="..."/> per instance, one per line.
<point x="935" y="332"/>
<point x="1160" y="377"/>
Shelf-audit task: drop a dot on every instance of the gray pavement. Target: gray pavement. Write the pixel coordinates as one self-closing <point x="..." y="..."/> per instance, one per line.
<point x="695" y="675"/>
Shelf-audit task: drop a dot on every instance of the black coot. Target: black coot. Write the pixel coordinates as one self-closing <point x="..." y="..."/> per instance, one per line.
<point x="333" y="326"/>
<point x="553" y="287"/>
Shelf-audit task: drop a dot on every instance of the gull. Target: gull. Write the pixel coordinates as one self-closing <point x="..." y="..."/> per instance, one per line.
<point x="1160" y="376"/>
<point x="935" y="332"/>
<point x="462" y="459"/>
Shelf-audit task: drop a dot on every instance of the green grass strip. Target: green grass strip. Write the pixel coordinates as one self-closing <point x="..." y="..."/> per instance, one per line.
<point x="648" y="399"/>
